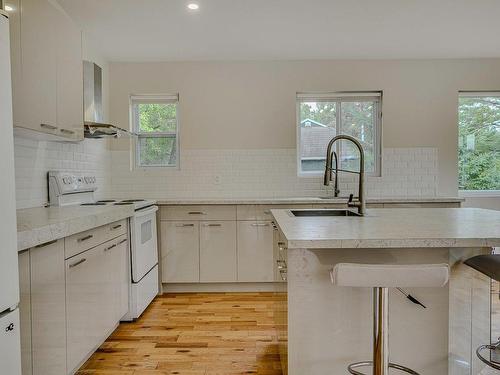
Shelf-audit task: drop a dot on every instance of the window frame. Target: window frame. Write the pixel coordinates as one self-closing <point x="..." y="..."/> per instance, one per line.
<point x="339" y="97"/>
<point x="135" y="126"/>
<point x="474" y="193"/>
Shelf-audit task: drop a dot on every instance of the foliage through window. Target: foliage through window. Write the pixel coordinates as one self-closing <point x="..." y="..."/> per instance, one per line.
<point x="323" y="116"/>
<point x="479" y="141"/>
<point x="155" y="120"/>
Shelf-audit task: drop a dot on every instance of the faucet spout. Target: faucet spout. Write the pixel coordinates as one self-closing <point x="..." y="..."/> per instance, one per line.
<point x="331" y="156"/>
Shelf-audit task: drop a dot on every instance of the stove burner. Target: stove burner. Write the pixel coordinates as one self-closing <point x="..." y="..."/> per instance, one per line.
<point x="122" y="203"/>
<point x="133" y="200"/>
<point x="93" y="204"/>
<point x="106" y="201"/>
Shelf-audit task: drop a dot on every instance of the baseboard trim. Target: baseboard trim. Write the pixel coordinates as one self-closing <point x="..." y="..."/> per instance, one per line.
<point x="222" y="287"/>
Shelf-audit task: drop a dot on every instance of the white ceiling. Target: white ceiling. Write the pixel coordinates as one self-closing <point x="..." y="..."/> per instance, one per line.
<point x="157" y="30"/>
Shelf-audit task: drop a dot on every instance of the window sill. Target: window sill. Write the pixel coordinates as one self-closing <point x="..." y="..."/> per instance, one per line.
<point x="479" y="193"/>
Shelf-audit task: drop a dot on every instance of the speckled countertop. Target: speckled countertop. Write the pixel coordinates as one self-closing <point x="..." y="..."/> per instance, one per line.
<point x="302" y="200"/>
<point x="39" y="225"/>
<point x="393" y="228"/>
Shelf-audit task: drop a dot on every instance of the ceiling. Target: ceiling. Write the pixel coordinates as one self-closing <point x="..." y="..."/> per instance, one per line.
<point x="161" y="30"/>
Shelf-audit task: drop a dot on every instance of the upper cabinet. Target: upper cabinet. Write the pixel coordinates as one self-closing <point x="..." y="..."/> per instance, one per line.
<point x="47" y="69"/>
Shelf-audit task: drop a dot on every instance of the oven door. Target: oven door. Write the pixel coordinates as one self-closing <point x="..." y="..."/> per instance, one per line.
<point x="144" y="247"/>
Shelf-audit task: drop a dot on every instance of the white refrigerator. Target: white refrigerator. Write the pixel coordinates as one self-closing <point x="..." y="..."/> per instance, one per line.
<point x="10" y="347"/>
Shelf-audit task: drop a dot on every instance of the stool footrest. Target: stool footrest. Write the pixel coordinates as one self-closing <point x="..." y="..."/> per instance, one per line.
<point x="351" y="368"/>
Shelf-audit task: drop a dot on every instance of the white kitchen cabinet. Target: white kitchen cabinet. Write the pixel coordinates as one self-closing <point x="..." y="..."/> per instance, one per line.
<point x="218" y="258"/>
<point x="95" y="297"/>
<point x="37" y="101"/>
<point x="48" y="312"/>
<point x="255" y="251"/>
<point x="84" y="299"/>
<point x="47" y="71"/>
<point x="69" y="77"/>
<point x="25" y="311"/>
<point x="180" y="251"/>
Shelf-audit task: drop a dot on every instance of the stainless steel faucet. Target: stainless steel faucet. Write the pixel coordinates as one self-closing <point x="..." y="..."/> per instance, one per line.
<point x="330" y="155"/>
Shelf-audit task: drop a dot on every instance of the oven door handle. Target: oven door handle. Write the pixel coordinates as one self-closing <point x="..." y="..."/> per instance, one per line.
<point x="149" y="211"/>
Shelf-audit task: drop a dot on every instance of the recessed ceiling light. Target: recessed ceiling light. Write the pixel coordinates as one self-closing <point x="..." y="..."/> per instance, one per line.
<point x="8" y="8"/>
<point x="193" y="6"/>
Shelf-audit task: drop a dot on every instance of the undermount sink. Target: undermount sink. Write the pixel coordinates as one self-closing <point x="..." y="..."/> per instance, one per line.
<point x="315" y="213"/>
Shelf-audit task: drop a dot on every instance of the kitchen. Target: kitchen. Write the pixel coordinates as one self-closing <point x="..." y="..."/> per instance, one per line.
<point x="196" y="201"/>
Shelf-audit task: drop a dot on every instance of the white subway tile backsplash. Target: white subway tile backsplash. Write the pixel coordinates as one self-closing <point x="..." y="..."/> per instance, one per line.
<point x="269" y="173"/>
<point x="212" y="173"/>
<point x="33" y="159"/>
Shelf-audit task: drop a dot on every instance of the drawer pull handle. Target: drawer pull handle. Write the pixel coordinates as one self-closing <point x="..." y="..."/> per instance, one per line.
<point x="196" y="213"/>
<point x="46" y="244"/>
<point x="85" y="238"/>
<point x="78" y="263"/>
<point x="184" y="225"/>
<point x="116" y="226"/>
<point x="67" y="131"/>
<point x="260" y="224"/>
<point x="110" y="247"/>
<point x="267" y="212"/>
<point x="47" y="126"/>
<point x="122" y="241"/>
<point x="213" y="225"/>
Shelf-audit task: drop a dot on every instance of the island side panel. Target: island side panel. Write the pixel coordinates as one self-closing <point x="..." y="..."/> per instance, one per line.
<point x="331" y="326"/>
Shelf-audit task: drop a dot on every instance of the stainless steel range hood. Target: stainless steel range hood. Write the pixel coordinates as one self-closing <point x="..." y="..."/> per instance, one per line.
<point x="94" y="127"/>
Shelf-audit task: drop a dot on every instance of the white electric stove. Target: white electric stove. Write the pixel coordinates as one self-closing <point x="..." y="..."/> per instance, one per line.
<point x="70" y="188"/>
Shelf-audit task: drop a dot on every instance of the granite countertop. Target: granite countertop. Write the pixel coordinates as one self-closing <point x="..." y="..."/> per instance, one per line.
<point x="302" y="200"/>
<point x="393" y="228"/>
<point x="39" y="225"/>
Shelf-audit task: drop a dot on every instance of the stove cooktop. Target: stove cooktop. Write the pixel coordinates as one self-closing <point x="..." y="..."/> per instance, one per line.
<point x="137" y="203"/>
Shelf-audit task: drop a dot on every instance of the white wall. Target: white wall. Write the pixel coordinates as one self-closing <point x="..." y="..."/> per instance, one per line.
<point x="250" y="106"/>
<point x="33" y="158"/>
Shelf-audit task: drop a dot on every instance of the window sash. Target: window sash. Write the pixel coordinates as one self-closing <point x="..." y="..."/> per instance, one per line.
<point x="339" y="98"/>
<point x="153" y="99"/>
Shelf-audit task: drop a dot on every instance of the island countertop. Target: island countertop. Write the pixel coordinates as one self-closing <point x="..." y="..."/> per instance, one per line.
<point x="393" y="228"/>
<point x="39" y="225"/>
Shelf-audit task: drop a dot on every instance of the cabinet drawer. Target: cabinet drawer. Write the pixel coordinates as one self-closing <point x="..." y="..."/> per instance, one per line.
<point x="262" y="211"/>
<point x="79" y="242"/>
<point x="205" y="212"/>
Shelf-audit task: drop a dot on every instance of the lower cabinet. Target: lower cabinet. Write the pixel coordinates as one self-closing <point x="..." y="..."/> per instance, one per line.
<point x="218" y="260"/>
<point x="180" y="252"/>
<point x="255" y="251"/>
<point x="95" y="300"/>
<point x="48" y="312"/>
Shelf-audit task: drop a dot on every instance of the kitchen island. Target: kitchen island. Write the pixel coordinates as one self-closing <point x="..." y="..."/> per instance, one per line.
<point x="331" y="326"/>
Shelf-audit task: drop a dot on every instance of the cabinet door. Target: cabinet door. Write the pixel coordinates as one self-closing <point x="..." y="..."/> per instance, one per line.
<point x="48" y="310"/>
<point x="69" y="77"/>
<point x="180" y="252"/>
<point x="255" y="251"/>
<point x="39" y="81"/>
<point x="25" y="311"/>
<point x="84" y="299"/>
<point x="218" y="251"/>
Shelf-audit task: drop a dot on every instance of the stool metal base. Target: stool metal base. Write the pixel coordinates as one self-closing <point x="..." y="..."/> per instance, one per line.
<point x="351" y="368"/>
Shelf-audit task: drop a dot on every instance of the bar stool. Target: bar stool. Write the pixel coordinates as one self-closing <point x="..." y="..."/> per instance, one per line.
<point x="381" y="277"/>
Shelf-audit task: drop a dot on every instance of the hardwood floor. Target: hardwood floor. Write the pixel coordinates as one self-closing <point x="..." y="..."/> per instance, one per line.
<point x="194" y="334"/>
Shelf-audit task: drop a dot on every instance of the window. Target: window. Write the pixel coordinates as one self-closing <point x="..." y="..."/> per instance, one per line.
<point x="323" y="116"/>
<point x="155" y="121"/>
<point x="479" y="141"/>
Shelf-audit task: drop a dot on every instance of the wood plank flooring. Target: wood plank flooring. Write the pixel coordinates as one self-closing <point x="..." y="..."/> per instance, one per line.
<point x="194" y="334"/>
